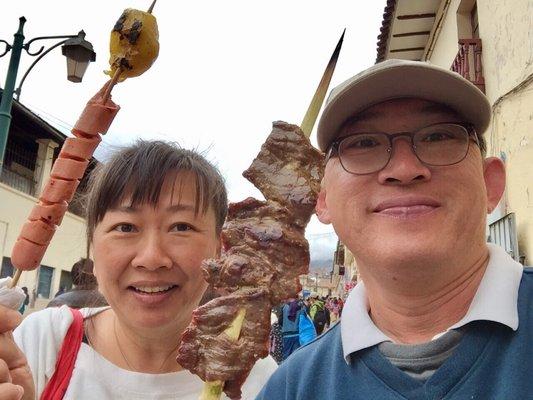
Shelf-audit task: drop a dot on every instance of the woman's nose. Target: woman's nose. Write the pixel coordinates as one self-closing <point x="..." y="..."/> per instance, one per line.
<point x="152" y="253"/>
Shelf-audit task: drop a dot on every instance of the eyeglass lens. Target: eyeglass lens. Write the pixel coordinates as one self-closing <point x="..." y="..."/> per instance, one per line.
<point x="437" y="145"/>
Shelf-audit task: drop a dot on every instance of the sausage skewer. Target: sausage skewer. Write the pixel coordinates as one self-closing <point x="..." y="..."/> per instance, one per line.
<point x="65" y="176"/>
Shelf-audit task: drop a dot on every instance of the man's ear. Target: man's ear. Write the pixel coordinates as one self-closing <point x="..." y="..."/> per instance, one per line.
<point x="494" y="175"/>
<point x="321" y="208"/>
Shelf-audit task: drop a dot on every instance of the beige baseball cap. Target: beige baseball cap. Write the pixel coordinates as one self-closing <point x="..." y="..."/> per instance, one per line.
<point x="393" y="79"/>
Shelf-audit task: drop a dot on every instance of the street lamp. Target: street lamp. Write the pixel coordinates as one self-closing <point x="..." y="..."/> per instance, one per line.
<point x="78" y="51"/>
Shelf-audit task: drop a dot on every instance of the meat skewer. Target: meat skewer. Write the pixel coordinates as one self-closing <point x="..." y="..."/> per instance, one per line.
<point x="264" y="253"/>
<point x="134" y="48"/>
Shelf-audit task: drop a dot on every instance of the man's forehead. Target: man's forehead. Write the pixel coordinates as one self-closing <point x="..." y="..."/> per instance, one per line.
<point x="401" y="107"/>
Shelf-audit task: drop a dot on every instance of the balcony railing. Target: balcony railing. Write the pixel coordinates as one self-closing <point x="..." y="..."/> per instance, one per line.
<point x="467" y="62"/>
<point x="503" y="233"/>
<point x="17" y="181"/>
<point x="19" y="166"/>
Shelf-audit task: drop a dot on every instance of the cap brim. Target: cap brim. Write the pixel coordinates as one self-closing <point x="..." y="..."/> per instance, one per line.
<point x="406" y="79"/>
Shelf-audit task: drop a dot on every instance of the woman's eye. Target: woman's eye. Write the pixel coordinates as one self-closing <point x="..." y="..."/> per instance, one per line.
<point x="181" y="227"/>
<point x="124" y="228"/>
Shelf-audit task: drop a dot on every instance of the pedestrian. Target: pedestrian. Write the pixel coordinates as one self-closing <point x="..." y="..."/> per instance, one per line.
<point x="61" y="290"/>
<point x="275" y="345"/>
<point x="154" y="212"/>
<point x="341" y="306"/>
<point x="334" y="310"/>
<point x="85" y="292"/>
<point x="26" y="300"/>
<point x="319" y="314"/>
<point x="306" y="328"/>
<point x="438" y="313"/>
<point x="289" y="327"/>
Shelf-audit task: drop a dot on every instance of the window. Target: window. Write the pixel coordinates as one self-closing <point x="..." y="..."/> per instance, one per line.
<point x="65" y="281"/>
<point x="45" y="281"/>
<point x="467" y="20"/>
<point x="7" y="268"/>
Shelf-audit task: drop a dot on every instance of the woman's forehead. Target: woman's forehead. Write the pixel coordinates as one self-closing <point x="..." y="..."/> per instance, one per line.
<point x="177" y="188"/>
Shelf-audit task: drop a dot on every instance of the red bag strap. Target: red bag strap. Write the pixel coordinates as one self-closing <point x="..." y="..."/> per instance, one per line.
<point x="66" y="358"/>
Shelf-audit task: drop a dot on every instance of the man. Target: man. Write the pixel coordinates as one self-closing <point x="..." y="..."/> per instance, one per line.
<point x="439" y="313"/>
<point x="319" y="314"/>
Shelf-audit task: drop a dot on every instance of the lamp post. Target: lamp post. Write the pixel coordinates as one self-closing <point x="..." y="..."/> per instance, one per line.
<point x="78" y="51"/>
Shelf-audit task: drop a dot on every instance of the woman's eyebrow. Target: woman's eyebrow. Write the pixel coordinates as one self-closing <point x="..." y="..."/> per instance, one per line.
<point x="180" y="207"/>
<point x="124" y="209"/>
<point x="171" y="209"/>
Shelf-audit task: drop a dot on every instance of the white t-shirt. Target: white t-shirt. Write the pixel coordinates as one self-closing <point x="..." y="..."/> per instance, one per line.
<point x="40" y="337"/>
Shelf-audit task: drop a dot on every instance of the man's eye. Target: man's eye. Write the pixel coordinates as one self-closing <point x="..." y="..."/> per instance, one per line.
<point x="125" y="228"/>
<point x="437" y="136"/>
<point x="364" y="142"/>
<point x="181" y="227"/>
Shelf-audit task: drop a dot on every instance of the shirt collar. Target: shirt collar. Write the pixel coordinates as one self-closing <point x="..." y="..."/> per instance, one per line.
<point x="495" y="300"/>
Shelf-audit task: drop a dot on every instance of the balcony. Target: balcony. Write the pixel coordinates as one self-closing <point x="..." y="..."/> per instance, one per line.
<point x="467" y="62"/>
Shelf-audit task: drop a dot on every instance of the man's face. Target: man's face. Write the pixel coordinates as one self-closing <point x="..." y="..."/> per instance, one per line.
<point x="409" y="211"/>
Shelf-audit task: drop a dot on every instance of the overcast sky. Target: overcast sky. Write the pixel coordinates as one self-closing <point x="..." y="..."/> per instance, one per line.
<point x="226" y="70"/>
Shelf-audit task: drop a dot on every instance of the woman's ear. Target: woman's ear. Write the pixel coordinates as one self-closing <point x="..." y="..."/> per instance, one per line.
<point x="219" y="246"/>
<point x="321" y="208"/>
<point x="494" y="175"/>
<point x="90" y="256"/>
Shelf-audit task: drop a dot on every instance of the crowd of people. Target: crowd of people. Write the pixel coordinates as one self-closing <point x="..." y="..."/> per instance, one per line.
<point x="299" y="321"/>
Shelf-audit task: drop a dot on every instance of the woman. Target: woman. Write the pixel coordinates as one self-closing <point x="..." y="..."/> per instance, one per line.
<point x="290" y="327"/>
<point x="154" y="212"/>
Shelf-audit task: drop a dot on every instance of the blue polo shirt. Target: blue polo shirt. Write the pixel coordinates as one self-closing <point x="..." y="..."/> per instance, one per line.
<point x="492" y="361"/>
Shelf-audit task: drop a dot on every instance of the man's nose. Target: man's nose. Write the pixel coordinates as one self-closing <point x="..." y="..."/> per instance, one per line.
<point x="404" y="167"/>
<point x="152" y="253"/>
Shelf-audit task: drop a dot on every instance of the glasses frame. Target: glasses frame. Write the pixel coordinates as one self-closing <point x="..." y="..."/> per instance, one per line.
<point x="334" y="147"/>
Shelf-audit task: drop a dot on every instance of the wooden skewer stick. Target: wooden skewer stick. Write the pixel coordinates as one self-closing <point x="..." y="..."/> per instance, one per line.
<point x="110" y="85"/>
<point x="213" y="390"/>
<point x="316" y="104"/>
<point x="16" y="278"/>
<point x="152" y="7"/>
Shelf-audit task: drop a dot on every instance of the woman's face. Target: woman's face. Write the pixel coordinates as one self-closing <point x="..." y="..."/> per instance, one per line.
<point x="148" y="259"/>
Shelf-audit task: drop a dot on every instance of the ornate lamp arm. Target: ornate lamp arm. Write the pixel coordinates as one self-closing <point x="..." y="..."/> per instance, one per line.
<point x="28" y="44"/>
<point x="6" y="49"/>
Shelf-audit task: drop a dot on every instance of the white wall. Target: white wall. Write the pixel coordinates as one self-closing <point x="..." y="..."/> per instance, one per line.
<point x="67" y="246"/>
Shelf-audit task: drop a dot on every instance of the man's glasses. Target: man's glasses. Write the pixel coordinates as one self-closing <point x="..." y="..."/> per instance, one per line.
<point x="436" y="145"/>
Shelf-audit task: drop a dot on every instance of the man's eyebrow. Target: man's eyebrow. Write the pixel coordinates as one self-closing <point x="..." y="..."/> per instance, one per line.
<point x="363" y="116"/>
<point x="434" y="108"/>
